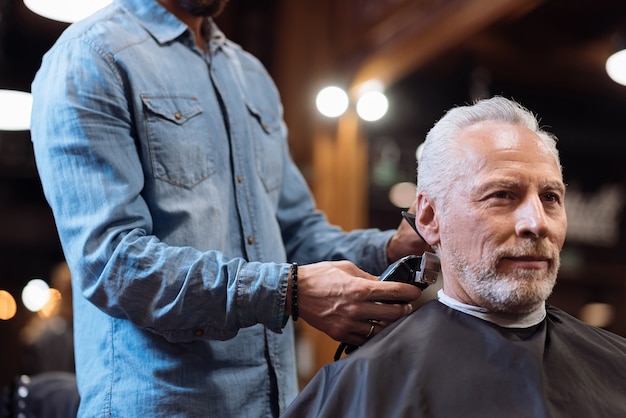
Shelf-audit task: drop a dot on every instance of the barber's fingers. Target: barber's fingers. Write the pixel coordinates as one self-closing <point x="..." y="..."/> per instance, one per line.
<point x="393" y="292"/>
<point x="339" y="299"/>
<point x="366" y="330"/>
<point x="351" y="269"/>
<point x="376" y="317"/>
<point x="384" y="312"/>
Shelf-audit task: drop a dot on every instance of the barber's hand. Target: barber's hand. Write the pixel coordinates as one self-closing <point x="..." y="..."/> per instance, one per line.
<point x="406" y="241"/>
<point x="340" y="299"/>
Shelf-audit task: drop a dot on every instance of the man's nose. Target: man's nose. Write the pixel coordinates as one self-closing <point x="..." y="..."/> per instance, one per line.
<point x="531" y="219"/>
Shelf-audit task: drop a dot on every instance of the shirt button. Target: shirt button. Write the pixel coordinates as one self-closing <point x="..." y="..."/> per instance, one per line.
<point x="250" y="240"/>
<point x="239" y="179"/>
<point x="177" y="115"/>
<point x="198" y="333"/>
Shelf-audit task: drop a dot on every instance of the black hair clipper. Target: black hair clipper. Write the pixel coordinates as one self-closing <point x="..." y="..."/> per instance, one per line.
<point x="412" y="269"/>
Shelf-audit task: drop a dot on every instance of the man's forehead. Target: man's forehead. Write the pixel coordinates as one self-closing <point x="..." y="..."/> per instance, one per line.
<point x="485" y="137"/>
<point x="498" y="133"/>
<point x="496" y="148"/>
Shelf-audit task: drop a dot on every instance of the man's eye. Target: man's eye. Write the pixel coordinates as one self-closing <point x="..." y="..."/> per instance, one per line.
<point x="552" y="197"/>
<point x="503" y="194"/>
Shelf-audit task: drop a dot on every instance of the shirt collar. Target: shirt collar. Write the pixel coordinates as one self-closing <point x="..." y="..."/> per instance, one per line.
<point x="164" y="26"/>
<point x="502" y="319"/>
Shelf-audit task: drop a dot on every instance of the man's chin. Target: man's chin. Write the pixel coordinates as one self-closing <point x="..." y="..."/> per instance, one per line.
<point x="518" y="296"/>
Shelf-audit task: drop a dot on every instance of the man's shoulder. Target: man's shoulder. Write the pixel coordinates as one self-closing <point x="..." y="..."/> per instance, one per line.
<point x="108" y="31"/>
<point x="419" y="329"/>
<point x="569" y="326"/>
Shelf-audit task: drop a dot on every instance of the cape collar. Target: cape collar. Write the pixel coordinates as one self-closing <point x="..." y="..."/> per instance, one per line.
<point x="501" y="319"/>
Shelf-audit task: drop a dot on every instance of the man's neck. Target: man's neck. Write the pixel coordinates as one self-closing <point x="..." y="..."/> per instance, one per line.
<point x="193" y="22"/>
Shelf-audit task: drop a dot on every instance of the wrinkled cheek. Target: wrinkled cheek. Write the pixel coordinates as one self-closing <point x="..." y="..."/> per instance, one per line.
<point x="561" y="233"/>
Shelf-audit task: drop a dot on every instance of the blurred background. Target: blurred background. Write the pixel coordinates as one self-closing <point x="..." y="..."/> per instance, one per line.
<point x="425" y="56"/>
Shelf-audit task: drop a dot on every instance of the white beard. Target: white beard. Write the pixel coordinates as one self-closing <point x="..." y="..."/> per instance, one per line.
<point x="518" y="292"/>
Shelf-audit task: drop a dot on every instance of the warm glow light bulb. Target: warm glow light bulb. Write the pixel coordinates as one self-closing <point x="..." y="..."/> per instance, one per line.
<point x="53" y="304"/>
<point x="67" y="11"/>
<point x="15" y="109"/>
<point x="597" y="314"/>
<point x="8" y="306"/>
<point x="332" y="101"/>
<point x="616" y="67"/>
<point x="35" y="295"/>
<point x="372" y="106"/>
<point x="403" y="194"/>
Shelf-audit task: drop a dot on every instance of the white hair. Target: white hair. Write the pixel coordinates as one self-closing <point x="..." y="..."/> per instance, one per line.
<point x="437" y="169"/>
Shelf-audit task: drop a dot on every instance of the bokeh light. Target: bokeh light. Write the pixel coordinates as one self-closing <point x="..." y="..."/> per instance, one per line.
<point x="597" y="314"/>
<point x="35" y="294"/>
<point x="67" y="11"/>
<point x="372" y="106"/>
<point x="53" y="304"/>
<point x="402" y="195"/>
<point x="15" y="110"/>
<point x="8" y="306"/>
<point x="332" y="101"/>
<point x="616" y="67"/>
<point x="418" y="152"/>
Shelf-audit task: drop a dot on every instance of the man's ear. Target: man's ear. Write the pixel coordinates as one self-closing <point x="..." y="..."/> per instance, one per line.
<point x="426" y="220"/>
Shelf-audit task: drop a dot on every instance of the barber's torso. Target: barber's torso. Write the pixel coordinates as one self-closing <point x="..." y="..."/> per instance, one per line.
<point x="212" y="145"/>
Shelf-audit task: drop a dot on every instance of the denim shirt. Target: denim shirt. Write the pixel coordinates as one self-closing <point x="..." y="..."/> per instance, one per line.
<point x="178" y="207"/>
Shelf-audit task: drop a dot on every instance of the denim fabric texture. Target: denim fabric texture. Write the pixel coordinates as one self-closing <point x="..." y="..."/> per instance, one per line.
<point x="178" y="208"/>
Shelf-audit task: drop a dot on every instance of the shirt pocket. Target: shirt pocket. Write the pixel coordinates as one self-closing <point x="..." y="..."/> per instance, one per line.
<point x="178" y="140"/>
<point x="269" y="142"/>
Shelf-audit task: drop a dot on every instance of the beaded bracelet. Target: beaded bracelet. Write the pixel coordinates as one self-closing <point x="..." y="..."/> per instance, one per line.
<point x="294" y="291"/>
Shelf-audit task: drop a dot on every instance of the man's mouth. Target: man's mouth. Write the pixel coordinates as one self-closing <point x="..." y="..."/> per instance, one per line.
<point x="530" y="262"/>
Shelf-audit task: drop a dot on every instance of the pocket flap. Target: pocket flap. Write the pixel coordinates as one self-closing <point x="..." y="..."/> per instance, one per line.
<point x="268" y="120"/>
<point x="175" y="109"/>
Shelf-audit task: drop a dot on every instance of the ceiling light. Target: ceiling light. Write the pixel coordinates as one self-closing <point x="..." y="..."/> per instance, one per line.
<point x="67" y="11"/>
<point x="616" y="67"/>
<point x="35" y="294"/>
<point x="332" y="101"/>
<point x="15" y="108"/>
<point x="372" y="106"/>
<point x="8" y="306"/>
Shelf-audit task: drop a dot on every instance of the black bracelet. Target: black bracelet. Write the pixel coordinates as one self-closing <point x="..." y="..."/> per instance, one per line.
<point x="294" y="291"/>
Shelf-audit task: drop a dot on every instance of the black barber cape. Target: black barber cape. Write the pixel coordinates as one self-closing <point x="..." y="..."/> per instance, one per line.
<point x="439" y="362"/>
